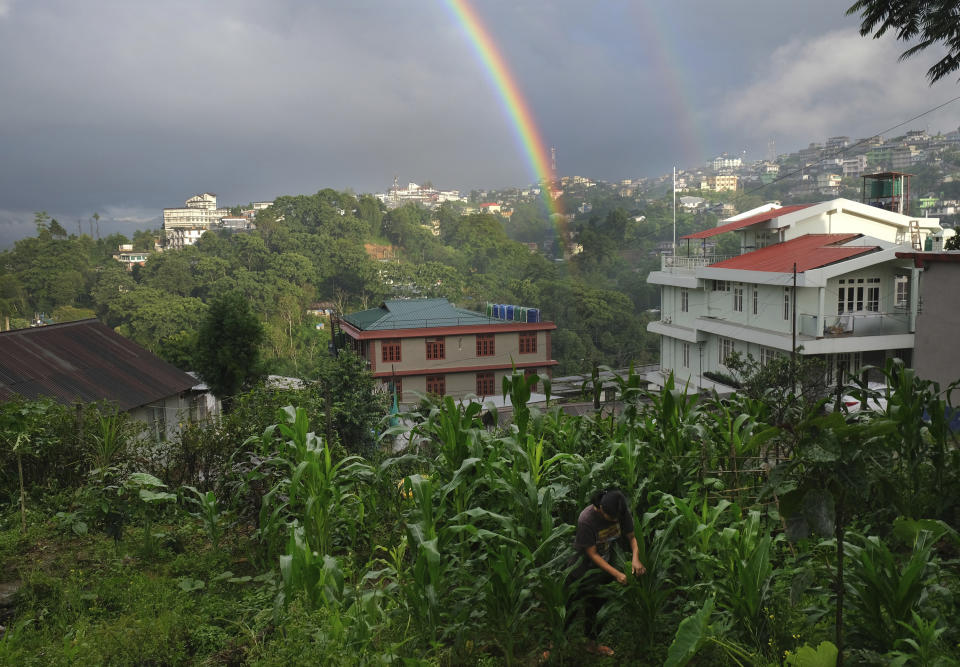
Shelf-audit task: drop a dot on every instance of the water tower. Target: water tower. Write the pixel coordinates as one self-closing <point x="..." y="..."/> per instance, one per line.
<point x="889" y="190"/>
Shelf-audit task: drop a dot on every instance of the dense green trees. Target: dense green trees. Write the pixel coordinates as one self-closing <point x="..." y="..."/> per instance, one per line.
<point x="227" y="347"/>
<point x="311" y="248"/>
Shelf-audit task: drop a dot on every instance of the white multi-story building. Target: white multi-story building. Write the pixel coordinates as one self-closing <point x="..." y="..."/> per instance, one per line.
<point x="726" y="162"/>
<point x="855" y="166"/>
<point x="199" y="213"/>
<point x="825" y="275"/>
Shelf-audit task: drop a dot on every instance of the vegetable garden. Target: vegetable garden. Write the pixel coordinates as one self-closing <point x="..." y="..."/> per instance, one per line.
<point x="771" y="535"/>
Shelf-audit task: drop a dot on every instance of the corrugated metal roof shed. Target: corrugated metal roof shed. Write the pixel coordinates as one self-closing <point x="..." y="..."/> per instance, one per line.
<point x="746" y="222"/>
<point x="417" y="314"/>
<point x="809" y="252"/>
<point x="85" y="361"/>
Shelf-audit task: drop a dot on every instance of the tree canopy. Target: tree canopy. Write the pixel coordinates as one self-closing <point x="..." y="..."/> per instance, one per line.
<point x="926" y="22"/>
<point x="227" y="350"/>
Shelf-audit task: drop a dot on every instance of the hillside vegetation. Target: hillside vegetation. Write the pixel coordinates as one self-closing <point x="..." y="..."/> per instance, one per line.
<point x="261" y="540"/>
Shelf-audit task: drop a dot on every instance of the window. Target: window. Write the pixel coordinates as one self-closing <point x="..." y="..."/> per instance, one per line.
<point x="532" y="371"/>
<point x="485" y="347"/>
<point x="159" y="422"/>
<point x="902" y="284"/>
<point x="721" y="285"/>
<point x="436" y="348"/>
<point x="684" y="300"/>
<point x="767" y="355"/>
<point x="528" y="342"/>
<point x="873" y="297"/>
<point x="851" y="293"/>
<point x="398" y="386"/>
<point x="766" y="238"/>
<point x="738" y="298"/>
<point x="485" y="384"/>
<point x="686" y="355"/>
<point x="726" y="349"/>
<point x="756" y="300"/>
<point x="786" y="303"/>
<point x="437" y="385"/>
<point x="390" y="349"/>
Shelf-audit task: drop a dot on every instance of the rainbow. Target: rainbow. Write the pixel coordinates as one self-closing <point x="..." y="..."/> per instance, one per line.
<point x="514" y="103"/>
<point x="674" y="88"/>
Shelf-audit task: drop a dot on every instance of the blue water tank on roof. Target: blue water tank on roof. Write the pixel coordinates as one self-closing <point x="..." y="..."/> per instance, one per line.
<point x="533" y="315"/>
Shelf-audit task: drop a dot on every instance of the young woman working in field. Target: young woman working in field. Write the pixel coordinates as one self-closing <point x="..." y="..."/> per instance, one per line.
<point x="605" y="520"/>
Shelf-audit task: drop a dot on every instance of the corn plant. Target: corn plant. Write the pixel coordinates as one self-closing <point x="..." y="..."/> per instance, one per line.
<point x="672" y="427"/>
<point x="924" y="645"/>
<point x="647" y="596"/>
<point x="700" y="526"/>
<point x="212" y="517"/>
<point x="423" y="592"/>
<point x="453" y="430"/>
<point x="883" y="593"/>
<point x="318" y="489"/>
<point x="305" y="570"/>
<point x="108" y="443"/>
<point x="745" y="574"/>
<point x="149" y="492"/>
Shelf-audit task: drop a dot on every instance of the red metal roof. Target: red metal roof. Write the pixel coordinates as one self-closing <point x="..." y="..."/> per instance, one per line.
<point x="746" y="222"/>
<point x="85" y="361"/>
<point x="809" y="252"/>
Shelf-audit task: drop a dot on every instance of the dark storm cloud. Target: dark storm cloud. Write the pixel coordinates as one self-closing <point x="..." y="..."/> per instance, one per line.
<point x="124" y="107"/>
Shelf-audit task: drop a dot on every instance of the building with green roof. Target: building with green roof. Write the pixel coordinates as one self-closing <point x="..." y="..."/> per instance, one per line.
<point x="430" y="346"/>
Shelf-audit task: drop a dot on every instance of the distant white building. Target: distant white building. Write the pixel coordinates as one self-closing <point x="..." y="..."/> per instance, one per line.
<point x="417" y="194"/>
<point x="855" y="166"/>
<point x="828" y="274"/>
<point x="199" y="214"/>
<point x="129" y="257"/>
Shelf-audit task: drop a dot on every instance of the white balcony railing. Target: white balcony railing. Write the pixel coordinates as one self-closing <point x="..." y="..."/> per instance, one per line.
<point x="680" y="264"/>
<point x="856" y="324"/>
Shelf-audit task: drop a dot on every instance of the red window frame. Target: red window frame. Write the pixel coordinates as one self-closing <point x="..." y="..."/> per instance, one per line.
<point x="486" y="384"/>
<point x="486" y="345"/>
<point x="528" y="342"/>
<point x="390" y="349"/>
<point x="398" y="383"/>
<point x="436" y="348"/>
<point x="532" y="371"/>
<point x="437" y="385"/>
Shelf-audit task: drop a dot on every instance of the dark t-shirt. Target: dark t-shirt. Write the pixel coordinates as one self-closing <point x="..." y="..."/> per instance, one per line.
<point x="593" y="530"/>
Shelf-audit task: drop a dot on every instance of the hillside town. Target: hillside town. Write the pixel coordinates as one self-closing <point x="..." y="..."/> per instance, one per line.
<point x="480" y="334"/>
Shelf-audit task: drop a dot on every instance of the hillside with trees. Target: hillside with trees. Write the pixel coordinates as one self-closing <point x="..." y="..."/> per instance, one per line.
<point x="310" y="248"/>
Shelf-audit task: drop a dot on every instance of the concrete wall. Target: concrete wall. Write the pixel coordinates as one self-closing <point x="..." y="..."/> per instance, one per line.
<point x="935" y="353"/>
<point x="460" y="351"/>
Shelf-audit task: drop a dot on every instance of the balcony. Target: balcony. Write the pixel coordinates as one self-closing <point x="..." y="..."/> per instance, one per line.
<point x="689" y="264"/>
<point x="856" y="324"/>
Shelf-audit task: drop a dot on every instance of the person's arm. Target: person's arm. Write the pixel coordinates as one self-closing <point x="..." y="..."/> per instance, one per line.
<point x="595" y="556"/>
<point x="636" y="565"/>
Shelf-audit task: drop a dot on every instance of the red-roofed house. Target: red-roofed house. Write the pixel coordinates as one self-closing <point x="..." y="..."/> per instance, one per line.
<point x="854" y="302"/>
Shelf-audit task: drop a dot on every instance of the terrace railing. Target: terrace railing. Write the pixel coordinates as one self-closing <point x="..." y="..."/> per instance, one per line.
<point x="855" y="324"/>
<point x="688" y="264"/>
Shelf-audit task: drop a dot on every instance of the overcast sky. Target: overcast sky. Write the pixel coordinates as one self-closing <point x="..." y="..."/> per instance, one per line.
<point x="124" y="107"/>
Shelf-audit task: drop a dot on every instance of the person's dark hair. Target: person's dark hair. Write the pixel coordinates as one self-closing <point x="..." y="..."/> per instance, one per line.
<point x="611" y="501"/>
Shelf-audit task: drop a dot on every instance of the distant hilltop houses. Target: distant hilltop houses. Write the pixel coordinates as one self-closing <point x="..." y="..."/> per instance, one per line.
<point x="819" y="168"/>
<point x="184" y="226"/>
<point x="425" y="195"/>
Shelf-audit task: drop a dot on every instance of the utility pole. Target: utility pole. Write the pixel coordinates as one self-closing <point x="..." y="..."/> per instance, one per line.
<point x="674" y="211"/>
<point x="793" y="330"/>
